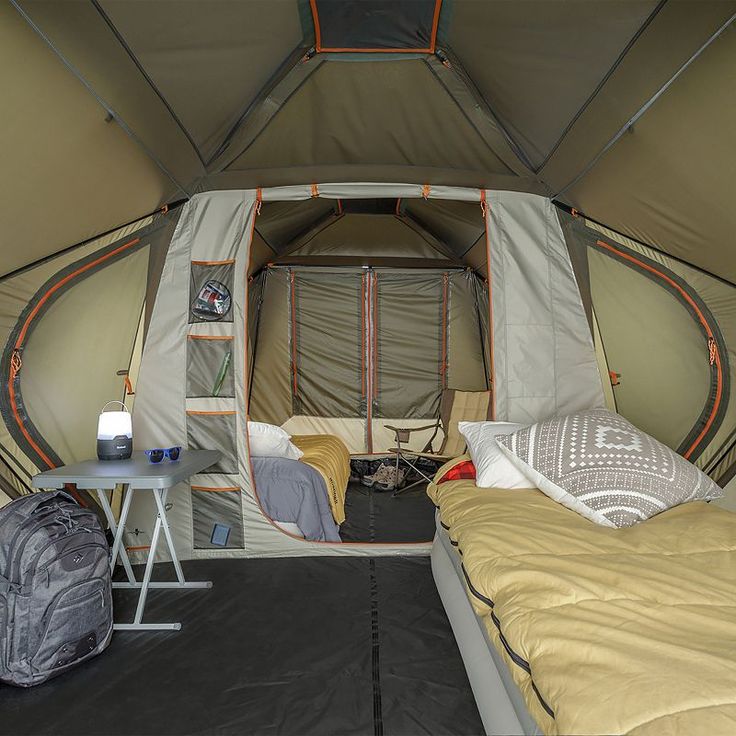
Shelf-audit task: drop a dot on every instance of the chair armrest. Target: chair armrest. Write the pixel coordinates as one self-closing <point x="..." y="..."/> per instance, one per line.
<point x="410" y="429"/>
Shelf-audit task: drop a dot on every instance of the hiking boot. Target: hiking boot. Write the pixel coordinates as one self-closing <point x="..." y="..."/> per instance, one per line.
<point x="386" y="478"/>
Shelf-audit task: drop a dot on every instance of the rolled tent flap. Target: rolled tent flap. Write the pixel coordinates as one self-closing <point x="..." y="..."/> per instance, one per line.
<point x="542" y="350"/>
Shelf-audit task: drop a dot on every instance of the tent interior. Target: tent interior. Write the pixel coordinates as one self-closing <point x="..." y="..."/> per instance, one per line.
<point x="350" y="225"/>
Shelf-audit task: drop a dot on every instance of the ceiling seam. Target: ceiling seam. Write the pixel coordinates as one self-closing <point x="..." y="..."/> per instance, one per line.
<point x="456" y="64"/>
<point x="602" y="83"/>
<point x="108" y="109"/>
<point x="301" y="54"/>
<point x="646" y="106"/>
<point x="121" y="40"/>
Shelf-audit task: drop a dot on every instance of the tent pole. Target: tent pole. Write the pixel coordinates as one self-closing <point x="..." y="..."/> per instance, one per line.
<point x="638" y="114"/>
<point x="572" y="211"/>
<point x="113" y="115"/>
<point x="40" y="261"/>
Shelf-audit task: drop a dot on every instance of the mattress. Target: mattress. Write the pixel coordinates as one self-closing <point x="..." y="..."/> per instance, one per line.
<point x="603" y="630"/>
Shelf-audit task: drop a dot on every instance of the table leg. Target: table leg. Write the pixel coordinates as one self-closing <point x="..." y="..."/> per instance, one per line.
<point x="117" y="531"/>
<point x="146" y="583"/>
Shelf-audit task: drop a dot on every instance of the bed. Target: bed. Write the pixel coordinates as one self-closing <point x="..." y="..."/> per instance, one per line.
<point x="567" y="627"/>
<point x="306" y="497"/>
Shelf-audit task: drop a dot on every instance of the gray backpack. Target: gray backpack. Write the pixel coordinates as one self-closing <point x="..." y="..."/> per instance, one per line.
<point x="55" y="590"/>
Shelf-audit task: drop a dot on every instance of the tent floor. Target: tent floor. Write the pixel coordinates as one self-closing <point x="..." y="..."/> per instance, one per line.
<point x="378" y="516"/>
<point x="289" y="646"/>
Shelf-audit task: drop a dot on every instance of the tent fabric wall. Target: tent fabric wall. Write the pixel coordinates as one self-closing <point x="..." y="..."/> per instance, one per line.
<point x="218" y="226"/>
<point x="542" y="350"/>
<point x="47" y="362"/>
<point x="646" y="391"/>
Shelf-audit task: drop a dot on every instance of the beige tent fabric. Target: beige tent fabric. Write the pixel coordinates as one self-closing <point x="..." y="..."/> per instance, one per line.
<point x="79" y="32"/>
<point x="373" y="235"/>
<point x="67" y="173"/>
<point x="721" y="300"/>
<point x="270" y="399"/>
<point x="373" y="96"/>
<point x="71" y="359"/>
<point x="668" y="181"/>
<point x="208" y="59"/>
<point x="638" y="322"/>
<point x="15" y="293"/>
<point x="536" y="47"/>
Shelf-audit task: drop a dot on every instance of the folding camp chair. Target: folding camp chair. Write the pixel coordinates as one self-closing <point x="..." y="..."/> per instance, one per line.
<point x="455" y="406"/>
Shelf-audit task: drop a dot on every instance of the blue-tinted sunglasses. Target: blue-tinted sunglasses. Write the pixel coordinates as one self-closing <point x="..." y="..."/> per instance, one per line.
<point x="157" y="455"/>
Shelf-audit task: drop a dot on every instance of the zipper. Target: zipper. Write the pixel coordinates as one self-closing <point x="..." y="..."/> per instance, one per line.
<point x="369" y="359"/>
<point x="11" y="555"/>
<point x="54" y="605"/>
<point x="32" y="571"/>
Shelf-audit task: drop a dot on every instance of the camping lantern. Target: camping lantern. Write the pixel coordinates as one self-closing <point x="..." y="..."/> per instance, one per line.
<point x="114" y="433"/>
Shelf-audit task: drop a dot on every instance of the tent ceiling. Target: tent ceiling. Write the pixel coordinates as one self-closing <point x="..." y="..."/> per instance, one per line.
<point x="537" y="47"/>
<point x="388" y="113"/>
<point x="208" y="59"/>
<point x="555" y="81"/>
<point x="377" y="228"/>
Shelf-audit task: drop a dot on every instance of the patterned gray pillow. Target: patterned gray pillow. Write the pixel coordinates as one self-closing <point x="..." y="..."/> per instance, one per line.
<point x="598" y="464"/>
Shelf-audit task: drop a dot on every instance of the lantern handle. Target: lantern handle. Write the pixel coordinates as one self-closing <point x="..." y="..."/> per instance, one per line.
<point x="114" y="402"/>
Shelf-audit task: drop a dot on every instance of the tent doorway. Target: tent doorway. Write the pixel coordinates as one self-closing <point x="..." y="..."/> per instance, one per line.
<point x="366" y="311"/>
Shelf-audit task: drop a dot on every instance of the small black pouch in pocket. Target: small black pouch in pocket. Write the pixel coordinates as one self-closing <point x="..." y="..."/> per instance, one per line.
<point x="210" y="291"/>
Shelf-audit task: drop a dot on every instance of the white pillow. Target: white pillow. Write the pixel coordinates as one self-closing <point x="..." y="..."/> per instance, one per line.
<point x="267" y="440"/>
<point x="492" y="468"/>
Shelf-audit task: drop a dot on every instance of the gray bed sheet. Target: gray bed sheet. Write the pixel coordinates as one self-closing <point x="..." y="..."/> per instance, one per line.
<point x="292" y="491"/>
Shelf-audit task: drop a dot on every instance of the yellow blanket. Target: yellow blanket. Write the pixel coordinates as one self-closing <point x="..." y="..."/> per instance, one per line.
<point x="614" y="631"/>
<point x="329" y="456"/>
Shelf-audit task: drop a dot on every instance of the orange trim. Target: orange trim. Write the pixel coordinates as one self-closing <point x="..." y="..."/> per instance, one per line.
<point x="293" y="334"/>
<point x="191" y="412"/>
<point x="24" y="330"/>
<point x="369" y="351"/>
<point x="348" y="50"/>
<point x="342" y="545"/>
<point x="362" y="334"/>
<point x="209" y="337"/>
<point x="128" y="386"/>
<point x="259" y="200"/>
<point x="315" y="190"/>
<point x="339" y="206"/>
<point x="443" y="355"/>
<point x="715" y="356"/>
<point x="317" y="29"/>
<point x="138" y="549"/>
<point x="210" y="489"/>
<point x="426" y="190"/>
<point x="325" y="49"/>
<point x="229" y="262"/>
<point x="375" y="334"/>
<point x="398" y="207"/>
<point x="492" y="367"/>
<point x="435" y="26"/>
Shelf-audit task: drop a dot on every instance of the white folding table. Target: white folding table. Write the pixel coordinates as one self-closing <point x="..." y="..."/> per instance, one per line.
<point x="136" y="474"/>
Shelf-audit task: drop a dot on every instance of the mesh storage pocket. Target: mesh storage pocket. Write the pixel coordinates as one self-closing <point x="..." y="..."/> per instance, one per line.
<point x="210" y="291"/>
<point x="217" y="520"/>
<point x="214" y="430"/>
<point x="209" y="367"/>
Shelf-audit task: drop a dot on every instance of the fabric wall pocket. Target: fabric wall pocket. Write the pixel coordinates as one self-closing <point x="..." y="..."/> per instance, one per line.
<point x="210" y="366"/>
<point x="214" y="430"/>
<point x="217" y="521"/>
<point x="210" y="291"/>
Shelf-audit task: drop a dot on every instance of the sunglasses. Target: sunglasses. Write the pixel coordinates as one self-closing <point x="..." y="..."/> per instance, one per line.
<point x="157" y="455"/>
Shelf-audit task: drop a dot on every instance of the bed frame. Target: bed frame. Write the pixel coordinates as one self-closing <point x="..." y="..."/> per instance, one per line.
<point x="499" y="700"/>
